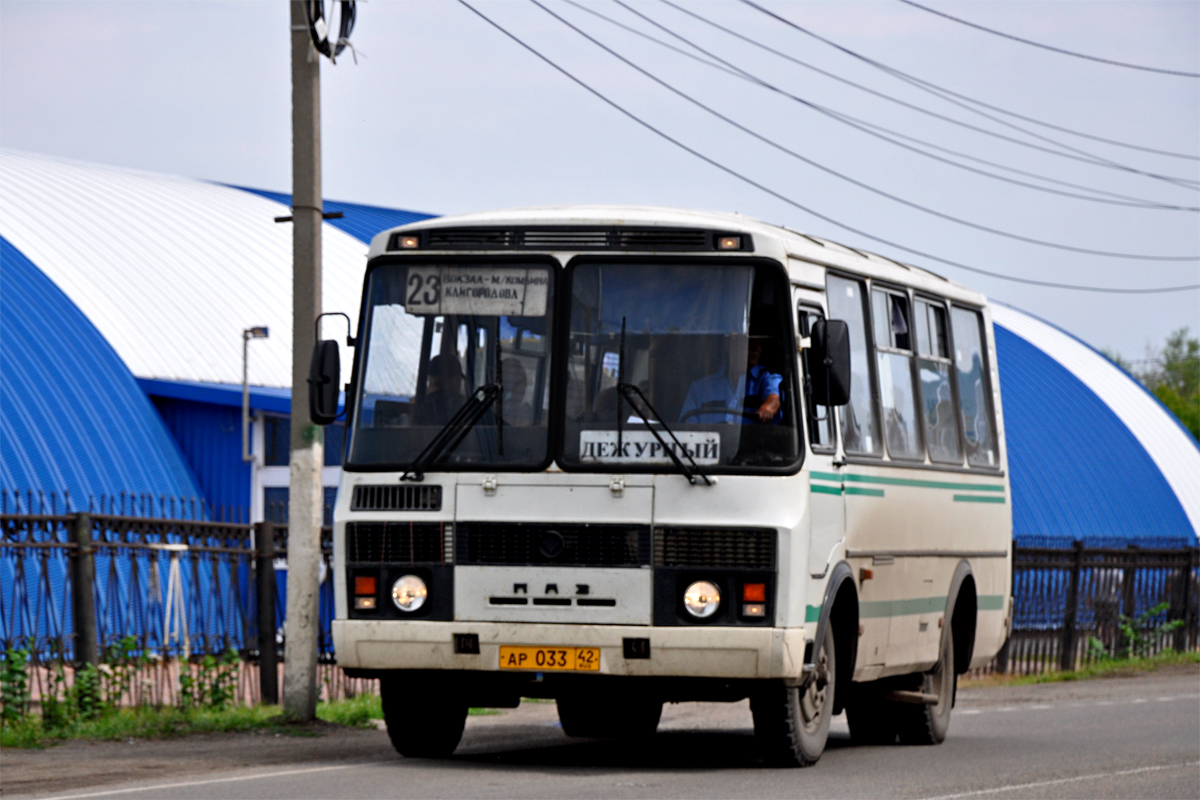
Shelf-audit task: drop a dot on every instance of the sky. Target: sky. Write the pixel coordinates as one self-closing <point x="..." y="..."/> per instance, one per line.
<point x="443" y="113"/>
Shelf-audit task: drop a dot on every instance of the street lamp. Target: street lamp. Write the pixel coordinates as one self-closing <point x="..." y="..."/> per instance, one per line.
<point x="257" y="332"/>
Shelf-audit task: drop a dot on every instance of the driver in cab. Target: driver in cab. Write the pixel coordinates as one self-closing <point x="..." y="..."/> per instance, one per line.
<point x="747" y="389"/>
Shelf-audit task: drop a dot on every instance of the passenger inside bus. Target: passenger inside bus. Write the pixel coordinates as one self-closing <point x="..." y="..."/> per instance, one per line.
<point x="515" y="410"/>
<point x="741" y="386"/>
<point x="445" y="392"/>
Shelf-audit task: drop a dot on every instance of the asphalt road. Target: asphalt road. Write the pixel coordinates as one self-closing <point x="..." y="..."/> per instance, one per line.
<point x="1118" y="738"/>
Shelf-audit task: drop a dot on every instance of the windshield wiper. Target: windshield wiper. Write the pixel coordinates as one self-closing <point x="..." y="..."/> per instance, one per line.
<point x="629" y="391"/>
<point x="453" y="431"/>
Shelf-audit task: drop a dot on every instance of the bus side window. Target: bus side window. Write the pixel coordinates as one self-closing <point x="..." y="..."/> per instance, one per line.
<point x="933" y="368"/>
<point x="893" y="351"/>
<point x="860" y="423"/>
<point x="820" y="417"/>
<point x="974" y="391"/>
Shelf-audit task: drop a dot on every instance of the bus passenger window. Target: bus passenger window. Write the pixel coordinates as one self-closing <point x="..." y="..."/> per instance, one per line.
<point x="933" y="367"/>
<point x="974" y="392"/>
<point x="893" y="333"/>
<point x="860" y="425"/>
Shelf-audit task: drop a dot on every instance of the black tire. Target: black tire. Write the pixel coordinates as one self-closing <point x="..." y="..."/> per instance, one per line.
<point x="605" y="715"/>
<point x="425" y="718"/>
<point x="928" y="724"/>
<point x="791" y="724"/>
<point x="872" y="719"/>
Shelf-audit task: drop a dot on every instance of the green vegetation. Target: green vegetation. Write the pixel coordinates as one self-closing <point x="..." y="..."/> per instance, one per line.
<point x="1137" y="637"/>
<point x="91" y="707"/>
<point x="1173" y="376"/>
<point x="146" y="722"/>
<point x="1103" y="668"/>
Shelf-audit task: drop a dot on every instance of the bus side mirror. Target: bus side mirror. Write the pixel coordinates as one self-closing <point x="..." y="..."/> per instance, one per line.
<point x="323" y="378"/>
<point x="830" y="362"/>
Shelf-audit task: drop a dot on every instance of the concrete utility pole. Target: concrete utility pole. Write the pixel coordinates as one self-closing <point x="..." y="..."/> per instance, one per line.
<point x="305" y="497"/>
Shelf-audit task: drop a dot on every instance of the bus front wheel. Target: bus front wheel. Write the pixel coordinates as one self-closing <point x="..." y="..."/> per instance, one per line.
<point x="791" y="723"/>
<point x="425" y="718"/>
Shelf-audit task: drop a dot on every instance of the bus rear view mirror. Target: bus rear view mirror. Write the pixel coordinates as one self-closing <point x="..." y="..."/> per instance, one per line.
<point x="831" y="362"/>
<point x="323" y="378"/>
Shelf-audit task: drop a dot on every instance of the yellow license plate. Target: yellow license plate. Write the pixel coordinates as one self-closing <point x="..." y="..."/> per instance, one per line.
<point x="546" y="659"/>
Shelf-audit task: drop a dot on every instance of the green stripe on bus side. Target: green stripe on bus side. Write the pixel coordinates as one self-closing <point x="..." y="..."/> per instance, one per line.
<point x="975" y="498"/>
<point x="920" y="605"/>
<point x="973" y="487"/>
<point x="900" y="608"/>
<point x="819" y="489"/>
<point x="867" y="492"/>
<point x="826" y="476"/>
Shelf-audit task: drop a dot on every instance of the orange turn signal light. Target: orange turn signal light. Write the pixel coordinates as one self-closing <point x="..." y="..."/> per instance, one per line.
<point x="754" y="592"/>
<point x="364" y="584"/>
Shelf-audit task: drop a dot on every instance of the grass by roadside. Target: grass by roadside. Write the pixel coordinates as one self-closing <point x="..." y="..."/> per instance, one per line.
<point x="167" y="722"/>
<point x="1112" y="668"/>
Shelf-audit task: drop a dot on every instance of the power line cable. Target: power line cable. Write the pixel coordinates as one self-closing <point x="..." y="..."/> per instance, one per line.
<point x="878" y="131"/>
<point x="1050" y="47"/>
<point x="926" y="86"/>
<point x="960" y="96"/>
<point x="789" y="201"/>
<point x="842" y="176"/>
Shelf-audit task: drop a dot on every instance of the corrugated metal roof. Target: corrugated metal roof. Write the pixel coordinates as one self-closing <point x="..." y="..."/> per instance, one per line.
<point x="1092" y="454"/>
<point x="361" y="222"/>
<point x="171" y="270"/>
<point x="72" y="417"/>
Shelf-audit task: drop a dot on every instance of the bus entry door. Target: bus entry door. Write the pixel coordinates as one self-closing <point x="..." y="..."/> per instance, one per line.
<point x="827" y="510"/>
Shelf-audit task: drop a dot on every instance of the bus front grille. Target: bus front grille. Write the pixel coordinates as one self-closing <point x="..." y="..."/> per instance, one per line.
<point x="396" y="542"/>
<point x="731" y="548"/>
<point x="542" y="544"/>
<point x="396" y="498"/>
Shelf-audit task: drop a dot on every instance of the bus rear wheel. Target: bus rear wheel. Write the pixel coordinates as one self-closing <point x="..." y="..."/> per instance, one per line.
<point x="425" y="718"/>
<point x="791" y="723"/>
<point x="928" y="723"/>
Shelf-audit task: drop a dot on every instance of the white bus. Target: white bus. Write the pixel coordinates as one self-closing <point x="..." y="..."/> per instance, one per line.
<point x="622" y="456"/>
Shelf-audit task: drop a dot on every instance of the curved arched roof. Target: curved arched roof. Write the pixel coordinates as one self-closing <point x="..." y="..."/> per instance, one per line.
<point x="73" y="421"/>
<point x="1092" y="455"/>
<point x="170" y="269"/>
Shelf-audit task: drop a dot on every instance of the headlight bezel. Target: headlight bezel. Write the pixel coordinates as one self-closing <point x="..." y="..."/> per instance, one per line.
<point x="702" y="599"/>
<point x="416" y="591"/>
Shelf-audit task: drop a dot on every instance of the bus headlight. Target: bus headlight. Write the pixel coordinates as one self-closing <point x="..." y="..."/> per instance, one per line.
<point x="702" y="599"/>
<point x="409" y="593"/>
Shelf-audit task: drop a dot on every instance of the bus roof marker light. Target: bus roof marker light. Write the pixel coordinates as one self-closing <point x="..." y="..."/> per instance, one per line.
<point x="410" y="242"/>
<point x="729" y="243"/>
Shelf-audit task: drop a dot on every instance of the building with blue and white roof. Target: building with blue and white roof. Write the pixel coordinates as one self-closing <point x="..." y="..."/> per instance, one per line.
<point x="167" y="272"/>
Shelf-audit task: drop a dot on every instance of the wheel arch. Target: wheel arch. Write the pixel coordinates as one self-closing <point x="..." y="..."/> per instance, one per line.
<point x="840" y="609"/>
<point x="962" y="613"/>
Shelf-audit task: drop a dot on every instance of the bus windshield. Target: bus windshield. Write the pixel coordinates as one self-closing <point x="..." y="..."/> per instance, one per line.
<point x="694" y="350"/>
<point x="433" y="334"/>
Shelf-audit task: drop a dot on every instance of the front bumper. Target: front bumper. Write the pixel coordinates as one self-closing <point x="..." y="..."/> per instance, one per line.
<point x="694" y="652"/>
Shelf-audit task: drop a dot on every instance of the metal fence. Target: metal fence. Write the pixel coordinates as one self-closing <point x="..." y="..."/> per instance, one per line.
<point x="1073" y="607"/>
<point x="77" y="588"/>
<point x="73" y="586"/>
